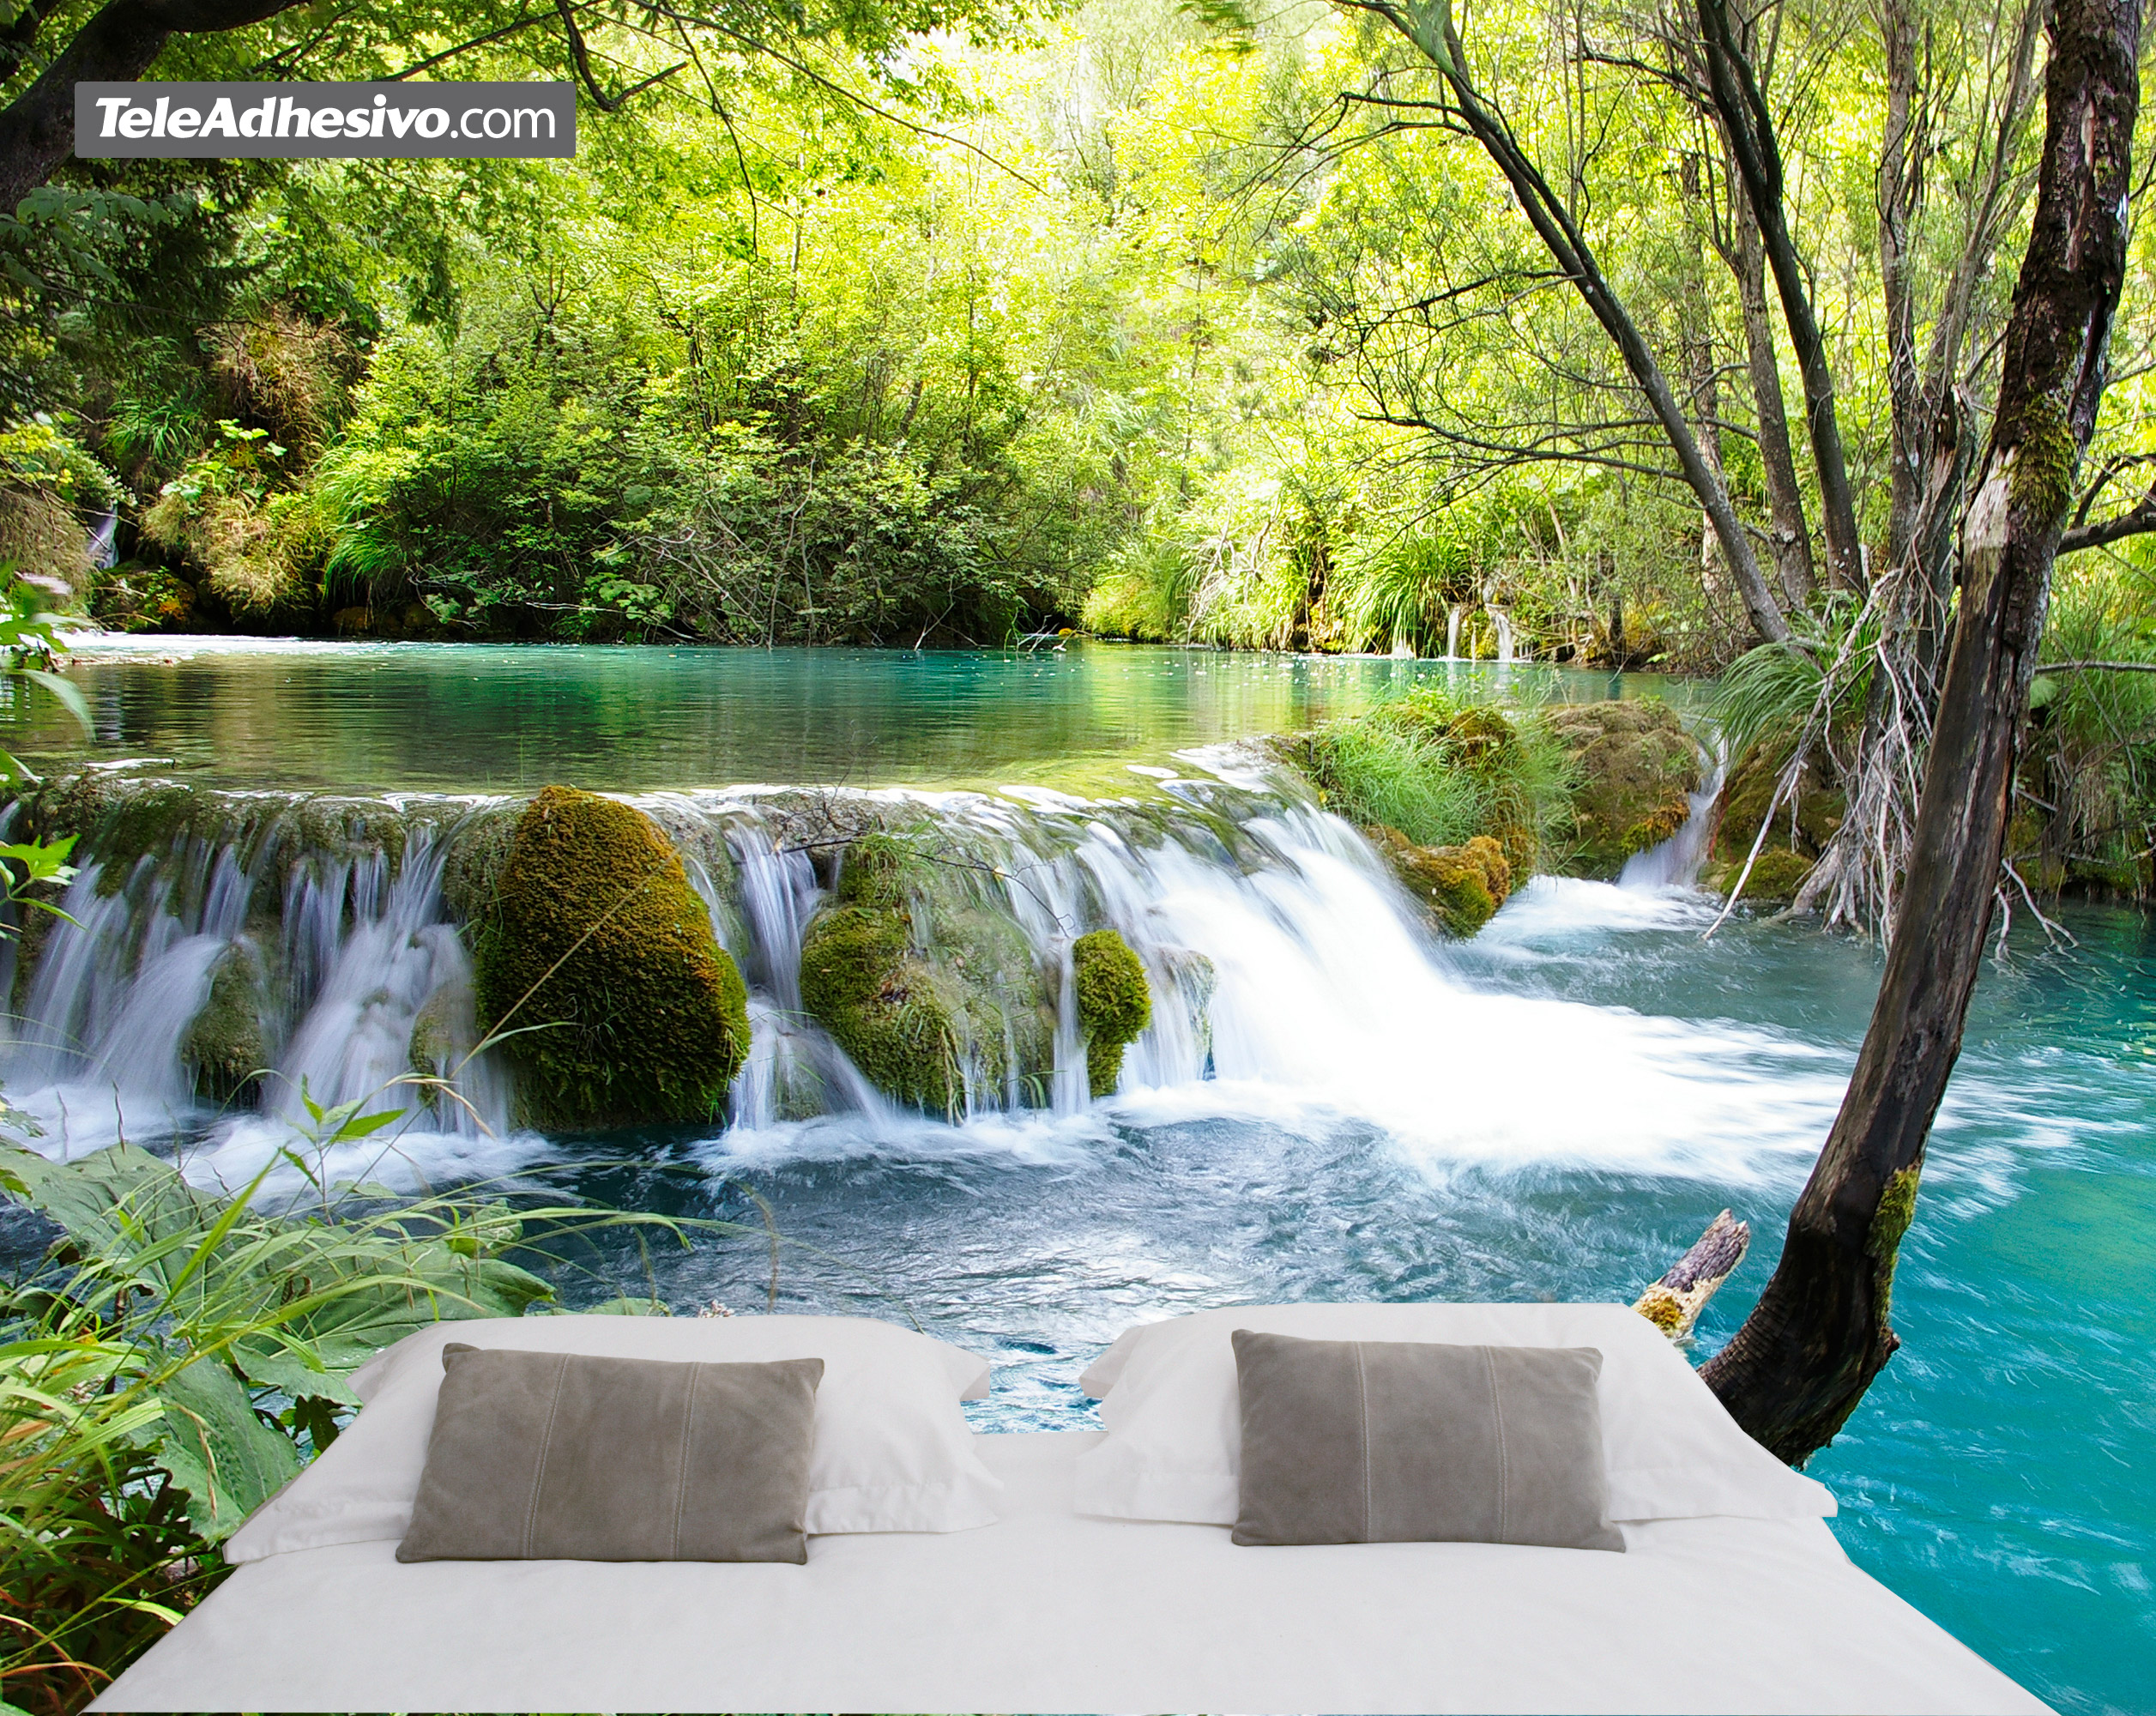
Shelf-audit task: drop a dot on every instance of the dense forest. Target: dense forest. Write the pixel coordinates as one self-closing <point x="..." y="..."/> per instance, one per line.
<point x="1612" y="335"/>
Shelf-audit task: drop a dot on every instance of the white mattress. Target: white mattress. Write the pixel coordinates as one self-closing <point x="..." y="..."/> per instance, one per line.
<point x="1049" y="1611"/>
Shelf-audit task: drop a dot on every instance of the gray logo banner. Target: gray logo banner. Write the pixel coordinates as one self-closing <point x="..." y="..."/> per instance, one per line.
<point x="325" y="121"/>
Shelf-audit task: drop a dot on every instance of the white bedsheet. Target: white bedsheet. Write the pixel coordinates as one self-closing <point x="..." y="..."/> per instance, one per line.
<point x="1046" y="1610"/>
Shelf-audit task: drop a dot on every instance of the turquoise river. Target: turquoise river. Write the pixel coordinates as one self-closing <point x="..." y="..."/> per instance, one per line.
<point x="1553" y="1110"/>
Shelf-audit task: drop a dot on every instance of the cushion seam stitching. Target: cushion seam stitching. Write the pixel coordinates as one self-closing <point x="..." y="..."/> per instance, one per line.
<point x="545" y="1447"/>
<point x="1362" y="1388"/>
<point x="681" y="1469"/>
<point x="1497" y="1413"/>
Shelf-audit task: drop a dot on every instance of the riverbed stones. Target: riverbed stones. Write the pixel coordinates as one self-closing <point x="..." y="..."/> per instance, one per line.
<point x="600" y="957"/>
<point x="1637" y="768"/>
<point x="1798" y="833"/>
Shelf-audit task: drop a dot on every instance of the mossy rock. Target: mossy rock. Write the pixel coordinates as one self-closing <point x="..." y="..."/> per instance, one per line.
<point x="1815" y="813"/>
<point x="595" y="936"/>
<point x="883" y="1006"/>
<point x="1638" y="768"/>
<point x="227" y="1044"/>
<point x="1777" y="875"/>
<point x="1113" y="1004"/>
<point x="476" y="851"/>
<point x="918" y="973"/>
<point x="444" y="1032"/>
<point x="1461" y="886"/>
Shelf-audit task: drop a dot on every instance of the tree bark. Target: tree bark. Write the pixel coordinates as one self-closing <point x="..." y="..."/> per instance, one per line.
<point x="1743" y="109"/>
<point x="1821" y="1330"/>
<point x="1695" y="338"/>
<point x="117" y="46"/>
<point x="1791" y="536"/>
<point x="1431" y="33"/>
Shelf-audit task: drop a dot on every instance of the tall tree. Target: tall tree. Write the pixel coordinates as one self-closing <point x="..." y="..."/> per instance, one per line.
<point x="1747" y="123"/>
<point x="1822" y="1329"/>
<point x="1430" y="30"/>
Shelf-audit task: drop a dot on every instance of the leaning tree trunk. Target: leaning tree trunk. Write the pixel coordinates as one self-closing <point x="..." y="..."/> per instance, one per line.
<point x="1821" y="1330"/>
<point x="116" y="45"/>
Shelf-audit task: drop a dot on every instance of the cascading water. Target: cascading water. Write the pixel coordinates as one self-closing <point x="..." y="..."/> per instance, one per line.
<point x="1289" y="976"/>
<point x="1452" y="633"/>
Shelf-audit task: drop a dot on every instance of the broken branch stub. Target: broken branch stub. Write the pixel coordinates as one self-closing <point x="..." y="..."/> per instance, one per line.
<point x="1673" y="1304"/>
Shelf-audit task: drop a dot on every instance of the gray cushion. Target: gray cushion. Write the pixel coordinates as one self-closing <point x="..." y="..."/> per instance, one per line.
<point x="540" y="1456"/>
<point x="1401" y="1442"/>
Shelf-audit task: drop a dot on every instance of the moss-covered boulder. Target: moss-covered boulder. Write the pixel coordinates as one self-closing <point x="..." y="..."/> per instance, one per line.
<point x="863" y="981"/>
<point x="227" y="1043"/>
<point x="920" y="973"/>
<point x="596" y="937"/>
<point x="1637" y="769"/>
<point x="1113" y="1004"/>
<point x="1801" y="828"/>
<point x="1461" y="886"/>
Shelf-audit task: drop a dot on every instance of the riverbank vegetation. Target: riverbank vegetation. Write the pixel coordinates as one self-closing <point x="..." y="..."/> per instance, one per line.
<point x="1187" y="325"/>
<point x="170" y="1356"/>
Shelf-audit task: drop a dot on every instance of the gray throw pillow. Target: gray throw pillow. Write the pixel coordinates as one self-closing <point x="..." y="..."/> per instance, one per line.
<point x="1402" y="1442"/>
<point x="540" y="1456"/>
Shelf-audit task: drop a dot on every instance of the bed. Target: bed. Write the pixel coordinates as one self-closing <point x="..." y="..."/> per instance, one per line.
<point x="1047" y="1609"/>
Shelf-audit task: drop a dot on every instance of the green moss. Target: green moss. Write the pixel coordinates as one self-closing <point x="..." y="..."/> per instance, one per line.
<point x="596" y="936"/>
<point x="2041" y="485"/>
<point x="477" y="853"/>
<point x="1889" y="1223"/>
<point x="884" y="1007"/>
<point x="1461" y="886"/>
<point x="227" y="1043"/>
<point x="1637" y="767"/>
<point x="1113" y="1004"/>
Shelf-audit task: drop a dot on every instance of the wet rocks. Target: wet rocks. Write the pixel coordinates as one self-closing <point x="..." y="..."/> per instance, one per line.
<point x="1461" y="887"/>
<point x="1637" y="768"/>
<point x="596" y="936"/>
<point x="228" y="1043"/>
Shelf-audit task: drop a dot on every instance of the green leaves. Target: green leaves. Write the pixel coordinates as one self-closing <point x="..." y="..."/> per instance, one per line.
<point x="218" y="1450"/>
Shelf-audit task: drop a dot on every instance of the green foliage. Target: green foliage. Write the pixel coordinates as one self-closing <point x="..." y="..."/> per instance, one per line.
<point x="2089" y="754"/>
<point x="1113" y="1004"/>
<point x="1441" y="771"/>
<point x="165" y="1368"/>
<point x="598" y="966"/>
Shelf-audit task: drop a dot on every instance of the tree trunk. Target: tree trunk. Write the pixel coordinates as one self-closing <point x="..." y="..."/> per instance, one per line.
<point x="1821" y="1330"/>
<point x="1785" y="496"/>
<point x="1696" y="337"/>
<point x="1746" y="122"/>
<point x="117" y="46"/>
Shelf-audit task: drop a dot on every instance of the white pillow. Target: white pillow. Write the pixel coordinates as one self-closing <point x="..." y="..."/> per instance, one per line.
<point x="1175" y="1439"/>
<point x="893" y="1450"/>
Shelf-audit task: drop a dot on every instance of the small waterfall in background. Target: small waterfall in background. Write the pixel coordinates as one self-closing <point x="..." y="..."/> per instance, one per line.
<point x="1452" y="633"/>
<point x="103" y="545"/>
<point x="1503" y="622"/>
<point x="1289" y="977"/>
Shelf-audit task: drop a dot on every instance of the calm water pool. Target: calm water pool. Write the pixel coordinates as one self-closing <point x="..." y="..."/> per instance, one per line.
<point x="1552" y="1111"/>
<point x="470" y="717"/>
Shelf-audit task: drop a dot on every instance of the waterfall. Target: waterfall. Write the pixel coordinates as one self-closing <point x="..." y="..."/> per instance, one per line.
<point x="103" y="551"/>
<point x="1503" y="622"/>
<point x="1288" y="975"/>
<point x="1452" y="633"/>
